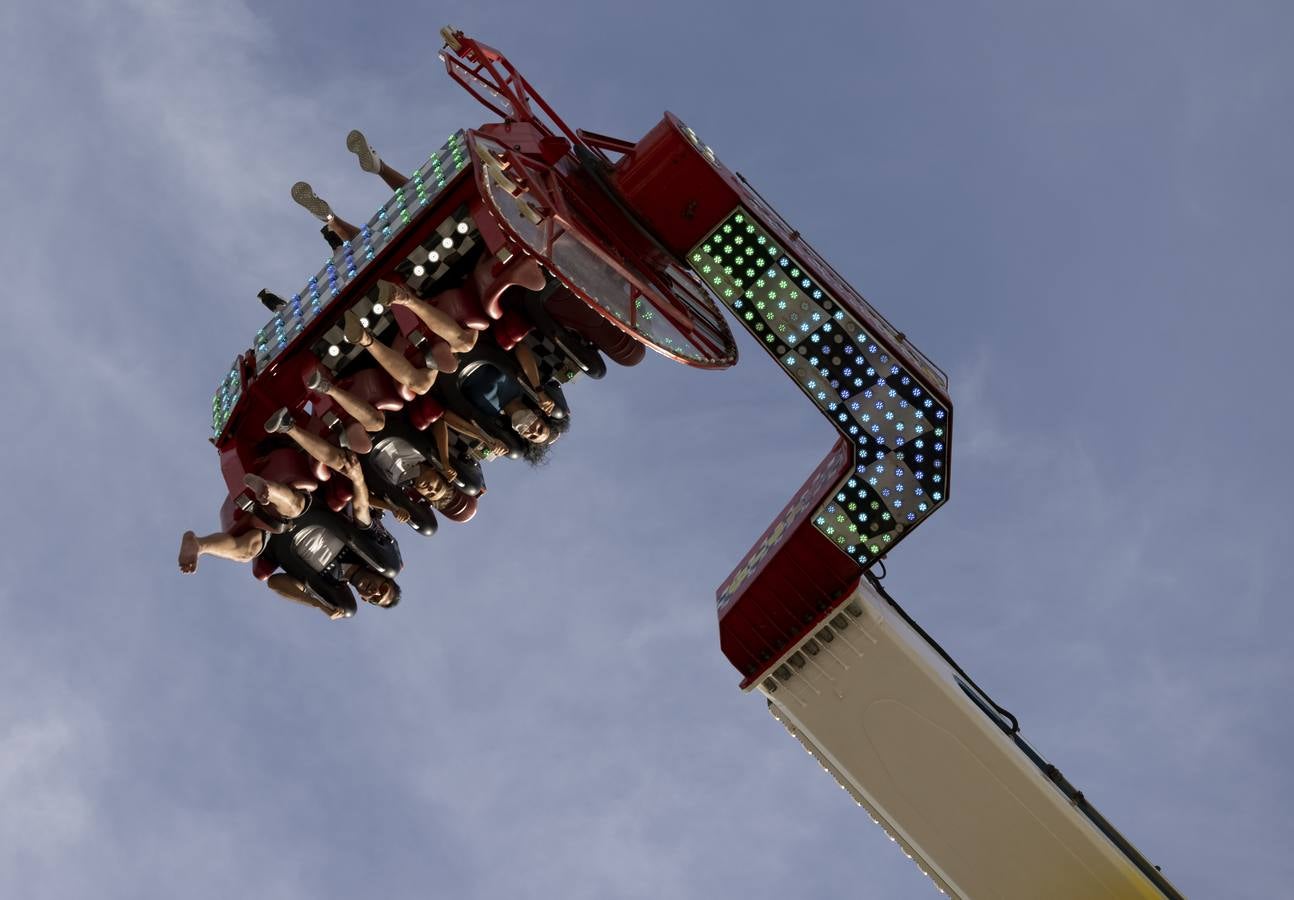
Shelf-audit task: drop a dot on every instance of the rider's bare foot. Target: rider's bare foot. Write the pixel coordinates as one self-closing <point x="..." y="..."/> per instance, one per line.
<point x="189" y="553"/>
<point x="260" y="489"/>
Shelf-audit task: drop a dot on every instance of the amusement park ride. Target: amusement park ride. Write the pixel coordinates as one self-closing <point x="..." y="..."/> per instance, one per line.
<point x="642" y="244"/>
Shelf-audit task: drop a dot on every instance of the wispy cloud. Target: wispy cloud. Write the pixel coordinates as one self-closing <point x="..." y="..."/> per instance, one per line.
<point x="548" y="713"/>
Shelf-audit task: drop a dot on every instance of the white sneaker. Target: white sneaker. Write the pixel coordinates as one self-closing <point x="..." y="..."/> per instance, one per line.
<point x="316" y="383"/>
<point x="369" y="161"/>
<point x="280" y="422"/>
<point x="304" y="194"/>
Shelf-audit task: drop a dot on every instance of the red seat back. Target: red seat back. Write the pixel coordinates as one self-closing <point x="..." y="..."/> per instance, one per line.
<point x="423" y="411"/>
<point x="288" y="465"/>
<point x="262" y="568"/>
<point x="461" y="509"/>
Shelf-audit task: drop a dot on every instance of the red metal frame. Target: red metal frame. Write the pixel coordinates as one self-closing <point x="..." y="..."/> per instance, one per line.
<point x="558" y="210"/>
<point x="638" y="216"/>
<point x="482" y="64"/>
<point x="555" y="166"/>
<point x="704" y="191"/>
<point x="243" y="443"/>
<point x="785" y="585"/>
<point x="794" y="573"/>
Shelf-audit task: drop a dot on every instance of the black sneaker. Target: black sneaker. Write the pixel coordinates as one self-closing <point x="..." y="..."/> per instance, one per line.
<point x="273" y="302"/>
<point x="333" y="241"/>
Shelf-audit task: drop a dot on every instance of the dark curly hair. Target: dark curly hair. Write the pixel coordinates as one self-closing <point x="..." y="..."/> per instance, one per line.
<point x="536" y="454"/>
<point x="558" y="427"/>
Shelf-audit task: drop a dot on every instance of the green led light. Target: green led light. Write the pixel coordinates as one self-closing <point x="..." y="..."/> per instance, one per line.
<point x="778" y="299"/>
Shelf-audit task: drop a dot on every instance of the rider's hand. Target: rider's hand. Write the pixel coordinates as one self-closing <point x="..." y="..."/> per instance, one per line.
<point x="546" y="403"/>
<point x="401" y="516"/>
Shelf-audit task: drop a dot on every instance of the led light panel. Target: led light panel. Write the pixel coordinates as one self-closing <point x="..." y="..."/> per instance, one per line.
<point x="898" y="428"/>
<point x="349" y="261"/>
<point x="434" y="258"/>
<point x="231" y="388"/>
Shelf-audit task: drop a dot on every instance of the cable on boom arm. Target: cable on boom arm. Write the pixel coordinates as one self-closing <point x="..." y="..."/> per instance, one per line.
<point x="875" y="582"/>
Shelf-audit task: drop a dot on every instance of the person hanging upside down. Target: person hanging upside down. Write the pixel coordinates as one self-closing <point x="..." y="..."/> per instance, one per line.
<point x="420" y="424"/>
<point x="283" y="502"/>
<point x="488" y="392"/>
<point x="325" y="554"/>
<point x="403" y="460"/>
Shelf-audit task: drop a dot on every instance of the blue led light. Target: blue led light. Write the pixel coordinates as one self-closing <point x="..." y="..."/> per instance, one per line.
<point x="734" y="255"/>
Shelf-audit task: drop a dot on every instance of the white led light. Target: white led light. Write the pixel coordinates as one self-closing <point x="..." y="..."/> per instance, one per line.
<point x="419" y="271"/>
<point x="334" y="350"/>
<point x="364" y="321"/>
<point x="447" y="243"/>
<point x="775" y="296"/>
<point x="378" y="309"/>
<point x="461" y="228"/>
<point x="433" y="257"/>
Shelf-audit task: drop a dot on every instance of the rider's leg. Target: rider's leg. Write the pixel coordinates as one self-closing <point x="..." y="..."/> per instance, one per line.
<point x="367" y="415"/>
<point x="417" y="380"/>
<point x="241" y="548"/>
<point x="330" y="455"/>
<point x="286" y="502"/>
<point x="442" y="324"/>
<point x="343" y="462"/>
<point x="303" y="194"/>
<point x="369" y="161"/>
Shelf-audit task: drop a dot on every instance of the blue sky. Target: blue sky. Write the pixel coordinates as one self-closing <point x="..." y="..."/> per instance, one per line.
<point x="1083" y="213"/>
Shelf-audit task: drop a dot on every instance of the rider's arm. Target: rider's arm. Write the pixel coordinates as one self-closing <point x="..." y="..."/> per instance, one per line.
<point x="440" y="431"/>
<point x="462" y="426"/>
<point x="399" y="512"/>
<point x="529" y="364"/>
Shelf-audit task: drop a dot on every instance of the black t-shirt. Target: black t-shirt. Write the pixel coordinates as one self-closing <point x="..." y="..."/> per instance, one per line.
<point x="320" y="544"/>
<point x="391" y="478"/>
<point x="489" y="389"/>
